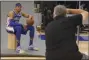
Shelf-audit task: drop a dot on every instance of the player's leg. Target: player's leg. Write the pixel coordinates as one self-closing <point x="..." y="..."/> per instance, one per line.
<point x="18" y="31"/>
<point x="31" y="35"/>
<point x="18" y="36"/>
<point x="24" y="30"/>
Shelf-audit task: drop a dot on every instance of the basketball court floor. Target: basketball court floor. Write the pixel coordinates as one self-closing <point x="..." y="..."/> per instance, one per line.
<point x="24" y="44"/>
<point x="40" y="43"/>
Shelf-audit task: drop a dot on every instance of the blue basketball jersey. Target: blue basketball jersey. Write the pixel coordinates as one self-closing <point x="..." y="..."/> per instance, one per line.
<point x="17" y="16"/>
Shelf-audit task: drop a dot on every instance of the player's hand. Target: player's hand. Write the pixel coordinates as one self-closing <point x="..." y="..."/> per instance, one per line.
<point x="31" y="17"/>
<point x="25" y="27"/>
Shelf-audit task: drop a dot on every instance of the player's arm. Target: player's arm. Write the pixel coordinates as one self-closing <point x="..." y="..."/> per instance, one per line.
<point x="79" y="11"/>
<point x="10" y="15"/>
<point x="10" y="19"/>
<point x="27" y="16"/>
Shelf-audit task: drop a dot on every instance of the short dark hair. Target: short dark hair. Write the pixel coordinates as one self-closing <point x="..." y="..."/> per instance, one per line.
<point x="18" y="4"/>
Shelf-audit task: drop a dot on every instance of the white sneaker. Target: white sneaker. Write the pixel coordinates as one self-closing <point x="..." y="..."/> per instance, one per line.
<point x="33" y="48"/>
<point x="22" y="52"/>
<point x="19" y="50"/>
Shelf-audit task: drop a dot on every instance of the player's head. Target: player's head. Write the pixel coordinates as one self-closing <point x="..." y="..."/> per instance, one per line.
<point x="59" y="10"/>
<point x="18" y="7"/>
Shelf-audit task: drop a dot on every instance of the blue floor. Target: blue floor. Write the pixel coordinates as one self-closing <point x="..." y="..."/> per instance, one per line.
<point x="81" y="38"/>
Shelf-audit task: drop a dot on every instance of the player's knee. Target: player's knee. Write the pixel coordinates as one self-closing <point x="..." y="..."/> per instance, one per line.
<point x="31" y="28"/>
<point x="18" y="28"/>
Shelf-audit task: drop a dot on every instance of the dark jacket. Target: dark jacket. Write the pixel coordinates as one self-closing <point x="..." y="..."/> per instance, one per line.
<point x="61" y="40"/>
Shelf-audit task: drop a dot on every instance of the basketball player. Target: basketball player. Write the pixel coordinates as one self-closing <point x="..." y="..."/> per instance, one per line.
<point x="13" y="26"/>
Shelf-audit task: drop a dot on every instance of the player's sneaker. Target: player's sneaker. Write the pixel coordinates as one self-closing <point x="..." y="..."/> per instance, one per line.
<point x="19" y="50"/>
<point x="33" y="48"/>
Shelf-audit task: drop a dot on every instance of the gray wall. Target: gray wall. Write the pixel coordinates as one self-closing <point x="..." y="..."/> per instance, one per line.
<point x="5" y="8"/>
